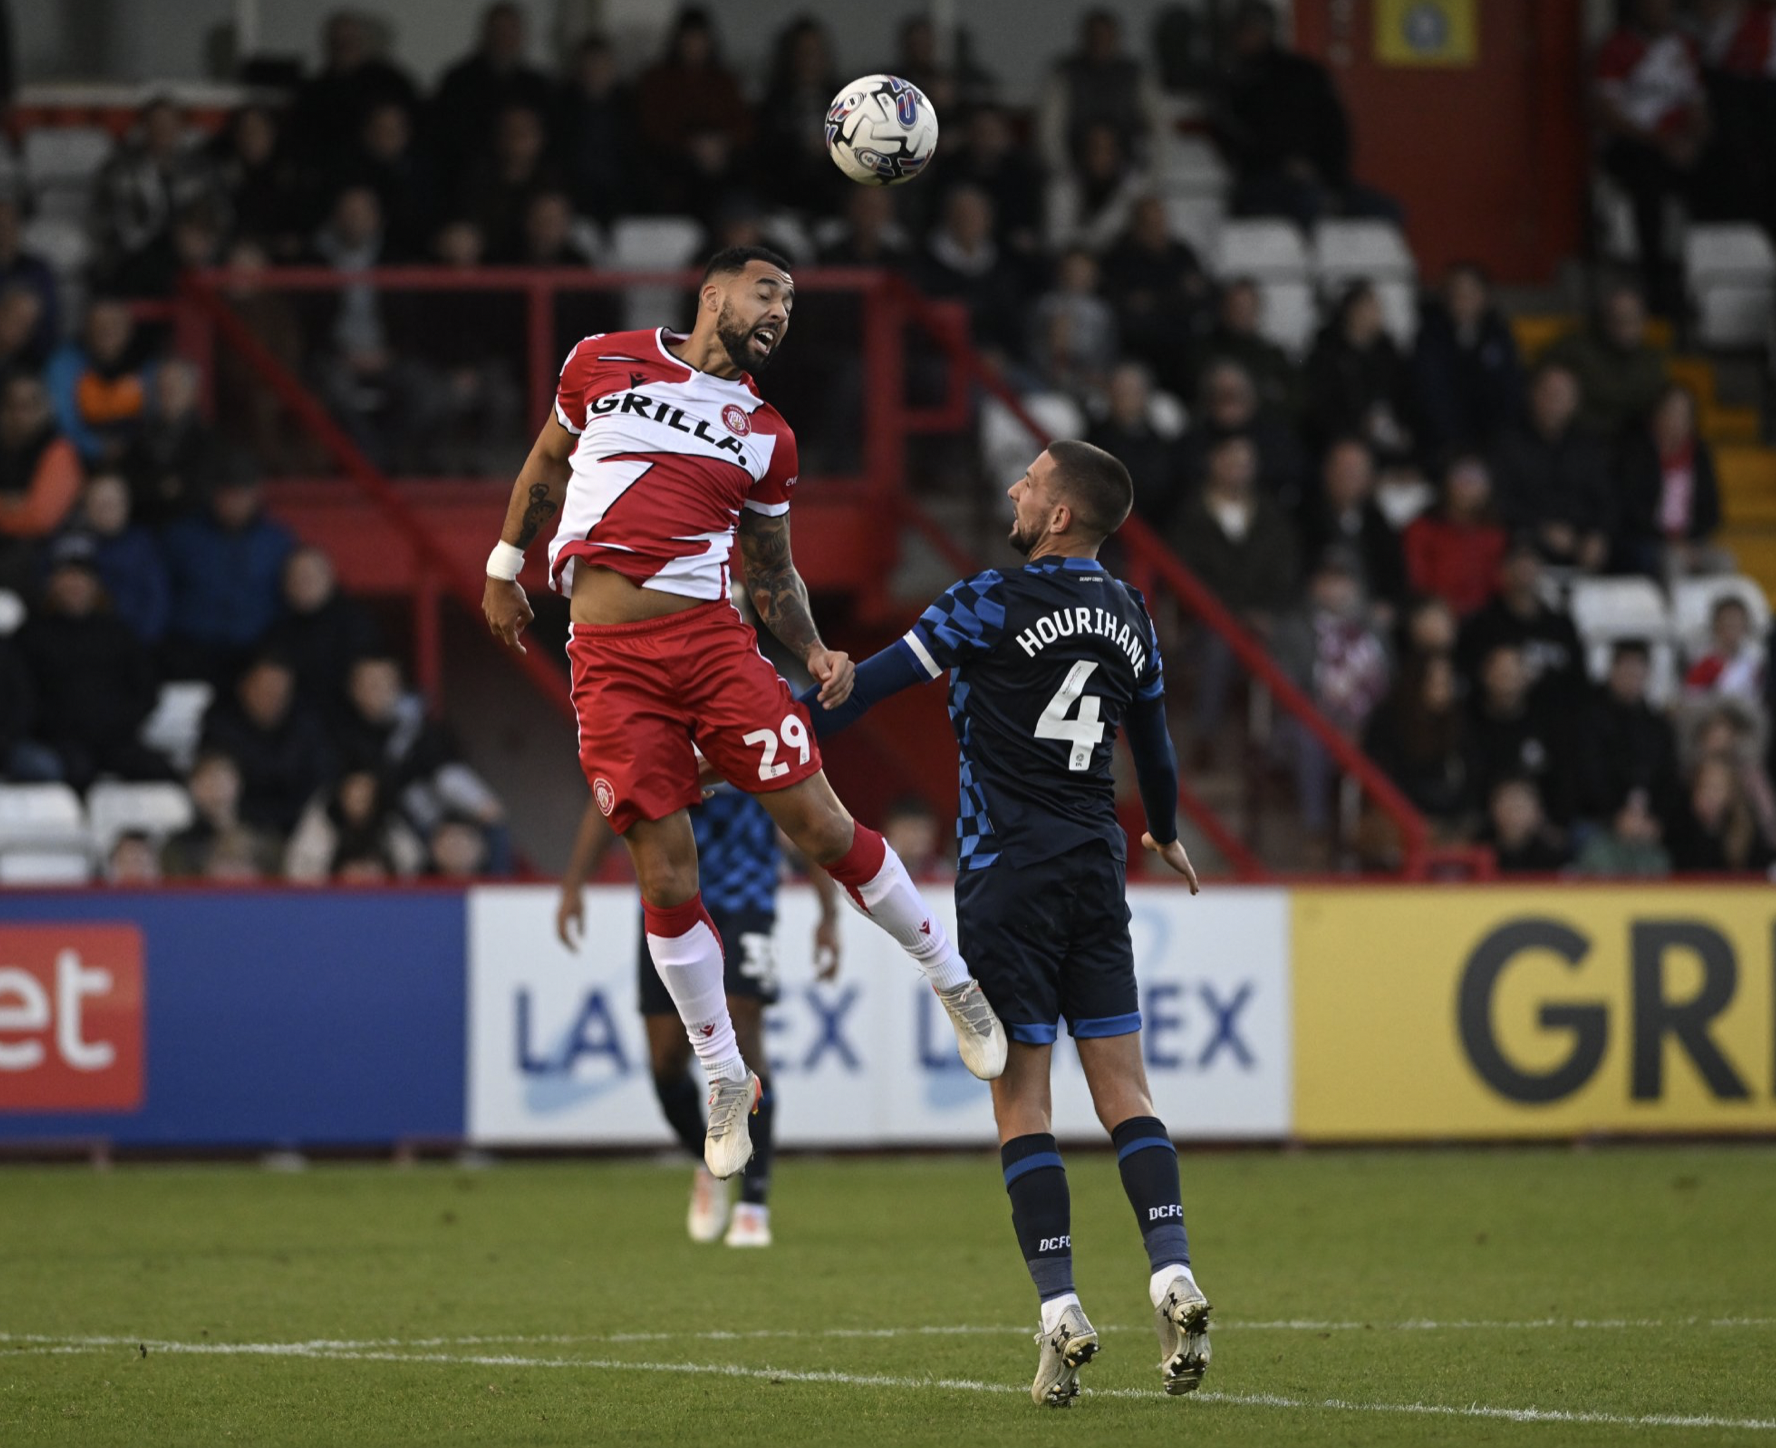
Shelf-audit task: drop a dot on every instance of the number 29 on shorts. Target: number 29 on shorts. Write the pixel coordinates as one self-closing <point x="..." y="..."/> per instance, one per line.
<point x="795" y="736"/>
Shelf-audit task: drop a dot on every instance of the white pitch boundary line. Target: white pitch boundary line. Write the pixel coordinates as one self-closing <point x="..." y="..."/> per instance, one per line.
<point x="962" y="1385"/>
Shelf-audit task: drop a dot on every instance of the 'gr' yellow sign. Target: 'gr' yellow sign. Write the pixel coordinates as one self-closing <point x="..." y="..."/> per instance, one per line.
<point x="1426" y="1013"/>
<point x="1427" y="32"/>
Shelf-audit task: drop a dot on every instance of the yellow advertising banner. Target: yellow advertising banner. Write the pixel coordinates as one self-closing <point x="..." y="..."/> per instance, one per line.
<point x="1427" y="32"/>
<point x="1432" y="1012"/>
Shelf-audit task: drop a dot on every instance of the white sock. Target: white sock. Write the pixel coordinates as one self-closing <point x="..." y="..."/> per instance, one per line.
<point x="1164" y="1278"/>
<point x="1054" y="1307"/>
<point x="892" y="901"/>
<point x="690" y="965"/>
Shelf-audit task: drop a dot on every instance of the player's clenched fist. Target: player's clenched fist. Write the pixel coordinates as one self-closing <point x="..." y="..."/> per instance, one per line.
<point x="833" y="670"/>
<point x="508" y="612"/>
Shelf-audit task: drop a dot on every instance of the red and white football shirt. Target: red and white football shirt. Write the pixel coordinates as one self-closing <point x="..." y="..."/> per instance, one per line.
<point x="1657" y="83"/>
<point x="667" y="458"/>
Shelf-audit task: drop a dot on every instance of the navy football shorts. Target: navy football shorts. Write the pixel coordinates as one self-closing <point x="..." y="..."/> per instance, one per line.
<point x="749" y="943"/>
<point x="1051" y="941"/>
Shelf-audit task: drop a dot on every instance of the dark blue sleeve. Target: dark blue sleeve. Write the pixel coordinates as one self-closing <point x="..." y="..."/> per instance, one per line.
<point x="895" y="668"/>
<point x="1151" y="684"/>
<point x="1156" y="766"/>
<point x="963" y="623"/>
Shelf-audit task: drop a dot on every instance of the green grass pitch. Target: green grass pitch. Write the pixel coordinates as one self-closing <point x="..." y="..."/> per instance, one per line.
<point x="1403" y="1297"/>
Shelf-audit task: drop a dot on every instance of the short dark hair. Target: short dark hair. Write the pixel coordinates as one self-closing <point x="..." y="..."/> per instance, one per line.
<point x="1096" y="484"/>
<point x="736" y="258"/>
<point x="1631" y="649"/>
<point x="1726" y="601"/>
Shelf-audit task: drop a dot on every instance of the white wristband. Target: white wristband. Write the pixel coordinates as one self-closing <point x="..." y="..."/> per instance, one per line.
<point x="505" y="562"/>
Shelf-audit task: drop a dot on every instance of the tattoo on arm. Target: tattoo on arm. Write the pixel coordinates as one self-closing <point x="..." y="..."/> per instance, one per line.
<point x="776" y="589"/>
<point x="540" y="510"/>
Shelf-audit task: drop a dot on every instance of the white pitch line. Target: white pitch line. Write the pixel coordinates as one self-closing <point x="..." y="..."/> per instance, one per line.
<point x="961" y="1385"/>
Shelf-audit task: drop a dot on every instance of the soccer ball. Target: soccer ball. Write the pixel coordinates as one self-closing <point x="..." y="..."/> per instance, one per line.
<point x="881" y="130"/>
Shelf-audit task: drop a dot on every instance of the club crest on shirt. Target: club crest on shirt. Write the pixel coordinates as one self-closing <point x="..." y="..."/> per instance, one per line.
<point x="736" y="419"/>
<point x="605" y="795"/>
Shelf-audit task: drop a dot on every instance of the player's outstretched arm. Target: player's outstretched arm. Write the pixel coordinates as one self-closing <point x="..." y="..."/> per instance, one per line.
<point x="536" y="498"/>
<point x="781" y="598"/>
<point x="881" y="674"/>
<point x="1156" y="770"/>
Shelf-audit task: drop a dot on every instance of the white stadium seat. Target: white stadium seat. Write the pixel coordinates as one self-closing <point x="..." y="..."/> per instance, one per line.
<point x="33" y="866"/>
<point x="1196" y="217"/>
<point x="65" y="155"/>
<point x="60" y="241"/>
<point x="1692" y="606"/>
<point x="155" y="809"/>
<point x="177" y="721"/>
<point x="1607" y="610"/>
<point x="1345" y="251"/>
<point x="1730" y="272"/>
<point x="652" y="243"/>
<point x="1289" y="314"/>
<point x="1007" y="446"/>
<point x="12" y="612"/>
<point x="1189" y="164"/>
<point x="1263" y="248"/>
<point x="43" y="839"/>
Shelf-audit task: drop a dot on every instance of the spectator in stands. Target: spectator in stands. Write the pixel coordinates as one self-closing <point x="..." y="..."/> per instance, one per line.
<point x="456" y="850"/>
<point x="1073" y="330"/>
<point x="353" y="819"/>
<point x="1227" y="406"/>
<point x="322" y="632"/>
<point x="1127" y="431"/>
<point x="1241" y="545"/>
<point x="1098" y="84"/>
<point x="387" y="730"/>
<point x="1235" y="337"/>
<point x="1428" y="627"/>
<point x="596" y="131"/>
<point x="869" y="235"/>
<point x="991" y="160"/>
<point x="954" y="85"/>
<point x="550" y="237"/>
<point x="1716" y="829"/>
<point x="93" y="680"/>
<point x="964" y="264"/>
<point x="1732" y="731"/>
<point x="1284" y="130"/>
<point x="916" y="835"/>
<point x="21" y="759"/>
<point x="1090" y="205"/>
<point x="225" y="565"/>
<point x="1515" y="732"/>
<point x="1733" y="665"/>
<point x="1620" y="375"/>
<point x="1160" y="294"/>
<point x="1358" y="383"/>
<point x="217" y="835"/>
<point x="152" y="177"/>
<point x="498" y="187"/>
<point x="1418" y="736"/>
<point x="20" y="268"/>
<point x="485" y="86"/>
<point x="331" y="107"/>
<point x="1335" y="656"/>
<point x="259" y="179"/>
<point x="1518" y="614"/>
<point x="1735" y="179"/>
<point x="792" y="118"/>
<point x="405" y="179"/>
<point x="1629" y="746"/>
<point x="39" y="479"/>
<point x="132" y="861"/>
<point x="24" y="350"/>
<point x="1469" y="379"/>
<point x="249" y="415"/>
<point x="176" y="460"/>
<point x="1342" y="513"/>
<point x="1631" y="847"/>
<point x="1521" y="836"/>
<point x="1670" y="495"/>
<point x="1454" y="551"/>
<point x="125" y="556"/>
<point x="277" y="741"/>
<point x="1653" y="116"/>
<point x="1552" y="477"/>
<point x="99" y="382"/>
<point x="696" y="127"/>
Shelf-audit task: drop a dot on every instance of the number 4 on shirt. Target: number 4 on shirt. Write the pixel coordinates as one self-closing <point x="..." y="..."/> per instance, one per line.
<point x="1084" y="732"/>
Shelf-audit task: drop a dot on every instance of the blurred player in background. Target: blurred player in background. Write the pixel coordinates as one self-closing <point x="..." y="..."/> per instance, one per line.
<point x="1045" y="663"/>
<point x="659" y="453"/>
<point x="741" y="866"/>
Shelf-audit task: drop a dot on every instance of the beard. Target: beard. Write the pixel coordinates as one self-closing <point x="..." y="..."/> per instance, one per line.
<point x="736" y="342"/>
<point x="1023" y="541"/>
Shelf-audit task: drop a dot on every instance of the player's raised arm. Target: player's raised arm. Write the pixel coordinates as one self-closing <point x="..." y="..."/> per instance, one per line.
<point x="781" y="598"/>
<point x="536" y="498"/>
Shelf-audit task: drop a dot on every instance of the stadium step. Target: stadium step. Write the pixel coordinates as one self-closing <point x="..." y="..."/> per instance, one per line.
<point x="1747" y="484"/>
<point x="1754" y="550"/>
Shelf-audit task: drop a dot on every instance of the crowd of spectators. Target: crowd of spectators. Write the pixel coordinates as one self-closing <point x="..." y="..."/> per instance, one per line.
<point x="1296" y="487"/>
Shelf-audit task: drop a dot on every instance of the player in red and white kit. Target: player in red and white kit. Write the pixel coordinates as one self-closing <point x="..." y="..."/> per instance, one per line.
<point x="659" y="451"/>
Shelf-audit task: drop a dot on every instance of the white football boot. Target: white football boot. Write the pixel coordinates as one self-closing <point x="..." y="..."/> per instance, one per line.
<point x="1062" y="1353"/>
<point x="708" y="1213"/>
<point x="750" y="1226"/>
<point x="980" y="1038"/>
<point x="727" y="1145"/>
<point x="1181" y="1317"/>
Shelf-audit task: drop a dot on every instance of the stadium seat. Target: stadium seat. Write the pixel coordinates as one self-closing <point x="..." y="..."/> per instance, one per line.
<point x="1196" y="217"/>
<point x="1006" y="444"/>
<point x="1343" y="251"/>
<point x="45" y="867"/>
<point x="1730" y="272"/>
<point x="1693" y="601"/>
<point x="41" y="817"/>
<point x="1608" y="610"/>
<point x="60" y="241"/>
<point x="1290" y="314"/>
<point x="1167" y="415"/>
<point x="155" y="809"/>
<point x="652" y="243"/>
<point x="64" y="156"/>
<point x="1188" y="164"/>
<point x="177" y="721"/>
<point x="12" y="612"/>
<point x="1263" y="248"/>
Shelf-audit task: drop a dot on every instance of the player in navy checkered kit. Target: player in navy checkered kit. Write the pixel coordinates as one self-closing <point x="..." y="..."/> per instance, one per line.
<point x="740" y="863"/>
<point x="1045" y="663"/>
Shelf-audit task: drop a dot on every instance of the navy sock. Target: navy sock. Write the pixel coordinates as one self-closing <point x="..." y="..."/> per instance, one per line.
<point x="1149" y="1165"/>
<point x="682" y="1101"/>
<point x="1041" y="1211"/>
<point x="755" y="1179"/>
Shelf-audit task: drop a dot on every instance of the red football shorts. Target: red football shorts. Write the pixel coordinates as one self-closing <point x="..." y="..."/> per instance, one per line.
<point x="645" y="691"/>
